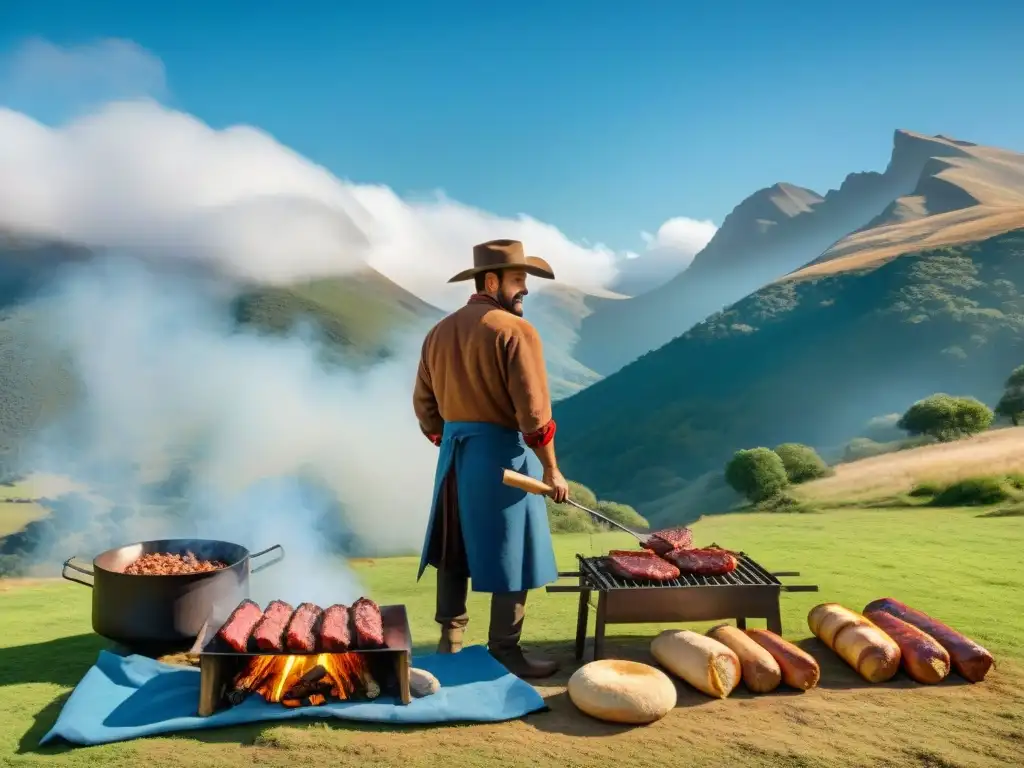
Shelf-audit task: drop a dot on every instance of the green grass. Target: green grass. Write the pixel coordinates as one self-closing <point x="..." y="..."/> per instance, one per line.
<point x="961" y="568"/>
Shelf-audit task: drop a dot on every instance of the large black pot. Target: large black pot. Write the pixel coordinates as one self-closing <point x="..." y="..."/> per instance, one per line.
<point x="164" y="612"/>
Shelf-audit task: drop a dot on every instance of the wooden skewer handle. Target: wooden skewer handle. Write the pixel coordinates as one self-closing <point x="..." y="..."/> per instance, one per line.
<point x="526" y="483"/>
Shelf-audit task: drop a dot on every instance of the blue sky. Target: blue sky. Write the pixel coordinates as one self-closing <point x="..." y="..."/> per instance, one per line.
<point x="603" y="118"/>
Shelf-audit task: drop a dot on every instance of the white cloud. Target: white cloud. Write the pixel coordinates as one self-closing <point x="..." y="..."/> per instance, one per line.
<point x="669" y="251"/>
<point x="139" y="175"/>
<point x="41" y="76"/>
<point x="682" y="237"/>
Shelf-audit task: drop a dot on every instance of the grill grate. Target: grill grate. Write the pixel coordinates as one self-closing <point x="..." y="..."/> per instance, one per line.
<point x="748" y="573"/>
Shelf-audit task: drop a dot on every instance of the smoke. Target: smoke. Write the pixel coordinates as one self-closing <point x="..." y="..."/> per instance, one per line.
<point x="268" y="432"/>
<point x="184" y="425"/>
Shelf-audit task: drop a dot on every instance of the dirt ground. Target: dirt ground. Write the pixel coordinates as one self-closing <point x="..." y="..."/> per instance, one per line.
<point x="845" y="722"/>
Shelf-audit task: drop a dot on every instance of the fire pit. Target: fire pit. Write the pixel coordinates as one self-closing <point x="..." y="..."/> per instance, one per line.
<point x="748" y="592"/>
<point x="227" y="677"/>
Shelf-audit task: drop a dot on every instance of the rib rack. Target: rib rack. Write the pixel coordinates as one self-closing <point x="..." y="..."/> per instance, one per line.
<point x="749" y="592"/>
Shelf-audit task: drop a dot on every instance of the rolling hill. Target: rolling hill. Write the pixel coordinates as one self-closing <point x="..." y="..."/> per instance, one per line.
<point x="934" y="191"/>
<point x="358" y="316"/>
<point x="807" y="360"/>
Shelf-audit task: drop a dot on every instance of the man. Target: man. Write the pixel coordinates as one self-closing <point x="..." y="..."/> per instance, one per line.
<point x="481" y="395"/>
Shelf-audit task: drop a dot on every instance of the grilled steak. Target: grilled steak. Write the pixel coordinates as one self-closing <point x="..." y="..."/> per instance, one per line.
<point x="368" y="624"/>
<point x="269" y="633"/>
<point x="239" y="626"/>
<point x="335" y="632"/>
<point x="300" y="636"/>
<point x="664" y="541"/>
<point x="641" y="564"/>
<point x="703" y="562"/>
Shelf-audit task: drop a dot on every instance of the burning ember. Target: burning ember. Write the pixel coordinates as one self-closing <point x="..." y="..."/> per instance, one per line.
<point x="306" y="680"/>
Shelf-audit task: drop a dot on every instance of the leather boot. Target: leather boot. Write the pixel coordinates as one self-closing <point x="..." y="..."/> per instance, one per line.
<point x="507" y="613"/>
<point x="516" y="661"/>
<point x="451" y="640"/>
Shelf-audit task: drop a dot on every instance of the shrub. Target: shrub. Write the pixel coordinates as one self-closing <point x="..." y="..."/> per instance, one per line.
<point x="802" y="462"/>
<point x="1011" y="404"/>
<point x="757" y="473"/>
<point x="784" y="503"/>
<point x="565" y="518"/>
<point x="926" y="489"/>
<point x="622" y="513"/>
<point x="974" y="492"/>
<point x="946" y="418"/>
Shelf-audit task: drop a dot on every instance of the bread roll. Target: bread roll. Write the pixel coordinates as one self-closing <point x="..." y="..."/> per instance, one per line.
<point x="858" y="641"/>
<point x="761" y="672"/>
<point x="923" y="658"/>
<point x="800" y="670"/>
<point x="622" y="691"/>
<point x="704" y="663"/>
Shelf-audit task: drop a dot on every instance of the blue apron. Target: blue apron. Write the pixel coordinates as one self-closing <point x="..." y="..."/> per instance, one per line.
<point x="505" y="530"/>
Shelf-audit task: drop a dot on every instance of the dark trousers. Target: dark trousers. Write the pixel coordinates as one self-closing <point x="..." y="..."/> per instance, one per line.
<point x="447" y="553"/>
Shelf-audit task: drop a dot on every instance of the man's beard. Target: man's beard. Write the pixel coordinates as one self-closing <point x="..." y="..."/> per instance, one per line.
<point x="510" y="304"/>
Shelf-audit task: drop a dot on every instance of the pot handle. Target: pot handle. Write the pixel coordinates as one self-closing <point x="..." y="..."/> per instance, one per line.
<point x="275" y="561"/>
<point x="67" y="565"/>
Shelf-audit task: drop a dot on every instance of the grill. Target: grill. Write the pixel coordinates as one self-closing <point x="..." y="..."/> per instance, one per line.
<point x="219" y="663"/>
<point x="749" y="592"/>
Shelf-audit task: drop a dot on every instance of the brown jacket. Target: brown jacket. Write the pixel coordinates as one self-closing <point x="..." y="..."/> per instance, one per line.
<point x="482" y="363"/>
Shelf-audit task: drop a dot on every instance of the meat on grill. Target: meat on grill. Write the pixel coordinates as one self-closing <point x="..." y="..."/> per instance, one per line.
<point x="641" y="564"/>
<point x="269" y="633"/>
<point x="668" y="539"/>
<point x="300" y="636"/>
<point x="368" y="623"/>
<point x="335" y="630"/>
<point x="703" y="562"/>
<point x="239" y="626"/>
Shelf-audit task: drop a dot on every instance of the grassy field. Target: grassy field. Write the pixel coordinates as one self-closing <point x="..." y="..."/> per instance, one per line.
<point x="997" y="452"/>
<point x="854" y="556"/>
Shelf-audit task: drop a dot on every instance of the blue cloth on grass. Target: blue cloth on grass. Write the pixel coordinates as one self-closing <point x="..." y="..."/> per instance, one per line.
<point x="506" y="531"/>
<point x="127" y="697"/>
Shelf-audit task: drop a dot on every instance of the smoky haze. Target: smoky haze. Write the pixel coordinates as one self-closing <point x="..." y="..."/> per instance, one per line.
<point x="261" y="441"/>
<point x="268" y="435"/>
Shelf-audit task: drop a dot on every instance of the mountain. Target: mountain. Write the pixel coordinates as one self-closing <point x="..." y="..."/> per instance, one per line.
<point x="810" y="358"/>
<point x="558" y="311"/>
<point x="785" y="227"/>
<point x="358" y="315"/>
<point x="361" y="312"/>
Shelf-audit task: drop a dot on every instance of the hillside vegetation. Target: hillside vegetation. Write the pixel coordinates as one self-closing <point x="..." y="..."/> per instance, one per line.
<point x="935" y="191"/>
<point x="807" y="361"/>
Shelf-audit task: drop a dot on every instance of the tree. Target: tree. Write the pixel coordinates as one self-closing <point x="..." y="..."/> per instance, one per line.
<point x="946" y="418"/>
<point x="757" y="473"/>
<point x="802" y="462"/>
<point x="1011" y="404"/>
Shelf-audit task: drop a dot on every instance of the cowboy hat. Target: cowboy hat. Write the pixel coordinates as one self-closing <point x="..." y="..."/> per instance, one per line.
<point x="495" y="255"/>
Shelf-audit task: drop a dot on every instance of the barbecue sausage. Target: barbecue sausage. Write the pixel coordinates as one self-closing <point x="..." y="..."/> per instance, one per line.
<point x="924" y="659"/>
<point x="761" y="672"/>
<point x="970" y="660"/>
<point x="858" y="641"/>
<point x="800" y="670"/>
<point x="706" y="664"/>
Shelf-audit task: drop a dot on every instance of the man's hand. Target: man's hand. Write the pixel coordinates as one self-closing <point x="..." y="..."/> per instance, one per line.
<point x="560" y="488"/>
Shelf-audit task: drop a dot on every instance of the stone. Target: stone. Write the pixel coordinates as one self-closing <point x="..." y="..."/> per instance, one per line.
<point x="422" y="683"/>
<point x="619" y="691"/>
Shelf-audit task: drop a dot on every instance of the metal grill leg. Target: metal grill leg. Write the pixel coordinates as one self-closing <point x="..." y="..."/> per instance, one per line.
<point x="581" y="623"/>
<point x="775" y="621"/>
<point x="599" y="626"/>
